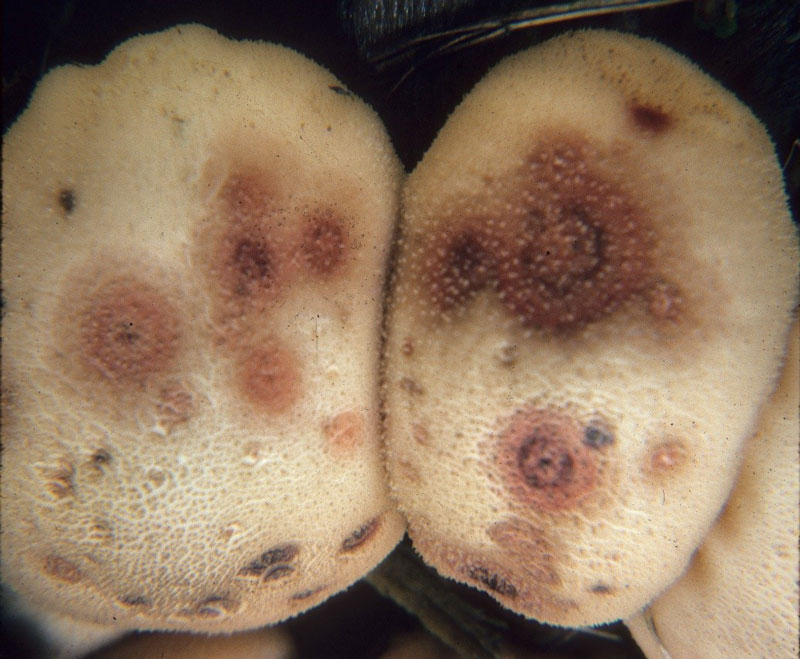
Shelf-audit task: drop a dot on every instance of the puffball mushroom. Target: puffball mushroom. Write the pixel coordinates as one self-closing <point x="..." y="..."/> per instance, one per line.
<point x="595" y="280"/>
<point x="739" y="596"/>
<point x="195" y="235"/>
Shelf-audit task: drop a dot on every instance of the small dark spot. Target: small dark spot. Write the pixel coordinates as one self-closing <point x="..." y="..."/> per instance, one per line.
<point x="278" y="572"/>
<point x="342" y="91"/>
<point x="67" y="201"/>
<point x="361" y="535"/>
<point x="601" y="589"/>
<point x="101" y="457"/>
<point x="215" y="606"/>
<point x="411" y="386"/>
<point x="60" y="479"/>
<point x="134" y="600"/>
<point x="305" y="594"/>
<point x="597" y="437"/>
<point x="408" y="347"/>
<point x="651" y="119"/>
<point x="492" y="581"/>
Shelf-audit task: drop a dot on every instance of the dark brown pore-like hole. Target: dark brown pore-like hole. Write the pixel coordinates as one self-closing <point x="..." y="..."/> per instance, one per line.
<point x="651" y="119"/>
<point x="361" y="535"/>
<point x="492" y="581"/>
<point x="597" y="437"/>
<point x="66" y="199"/>
<point x="273" y="563"/>
<point x="544" y="462"/>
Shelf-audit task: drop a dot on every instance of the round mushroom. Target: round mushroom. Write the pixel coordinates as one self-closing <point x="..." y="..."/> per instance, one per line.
<point x="195" y="235"/>
<point x="739" y="596"/>
<point x="589" y="306"/>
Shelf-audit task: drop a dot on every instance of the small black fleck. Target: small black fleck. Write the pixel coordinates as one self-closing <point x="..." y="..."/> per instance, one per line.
<point x="66" y="198"/>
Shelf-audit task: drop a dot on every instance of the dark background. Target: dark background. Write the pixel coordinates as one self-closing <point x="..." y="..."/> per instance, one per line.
<point x="759" y="61"/>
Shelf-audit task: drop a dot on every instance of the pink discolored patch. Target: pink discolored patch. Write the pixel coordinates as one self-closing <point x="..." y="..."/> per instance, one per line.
<point x="129" y="332"/>
<point x="269" y="377"/>
<point x="544" y="461"/>
<point x="668" y="457"/>
<point x="345" y="431"/>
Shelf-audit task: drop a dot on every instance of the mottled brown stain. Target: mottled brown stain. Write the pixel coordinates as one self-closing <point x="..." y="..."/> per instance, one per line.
<point x="527" y="547"/>
<point x="61" y="569"/>
<point x="59" y="478"/>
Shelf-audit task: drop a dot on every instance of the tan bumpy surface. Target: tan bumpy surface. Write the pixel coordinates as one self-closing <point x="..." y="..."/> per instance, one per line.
<point x="739" y="597"/>
<point x="595" y="280"/>
<point x="195" y="236"/>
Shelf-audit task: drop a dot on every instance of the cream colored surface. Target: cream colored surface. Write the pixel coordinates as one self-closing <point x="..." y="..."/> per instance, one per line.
<point x="675" y="388"/>
<point x="165" y="494"/>
<point x="739" y="597"/>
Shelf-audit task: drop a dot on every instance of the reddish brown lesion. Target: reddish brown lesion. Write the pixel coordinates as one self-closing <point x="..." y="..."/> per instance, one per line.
<point x="323" y="244"/>
<point x="581" y="246"/>
<point x="129" y="332"/>
<point x="458" y="264"/>
<point x="269" y="377"/>
<point x="650" y="118"/>
<point x="544" y="461"/>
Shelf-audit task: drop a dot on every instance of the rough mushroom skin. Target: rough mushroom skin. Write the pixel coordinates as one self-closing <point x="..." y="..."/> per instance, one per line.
<point x="195" y="235"/>
<point x="587" y="310"/>
<point x="739" y="596"/>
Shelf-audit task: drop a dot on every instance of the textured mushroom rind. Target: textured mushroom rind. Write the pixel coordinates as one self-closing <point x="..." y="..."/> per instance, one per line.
<point x="191" y="336"/>
<point x="739" y="595"/>
<point x="579" y="289"/>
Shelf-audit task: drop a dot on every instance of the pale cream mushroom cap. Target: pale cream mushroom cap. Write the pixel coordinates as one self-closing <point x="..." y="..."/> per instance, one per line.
<point x="195" y="235"/>
<point x="739" y="596"/>
<point x="596" y="274"/>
